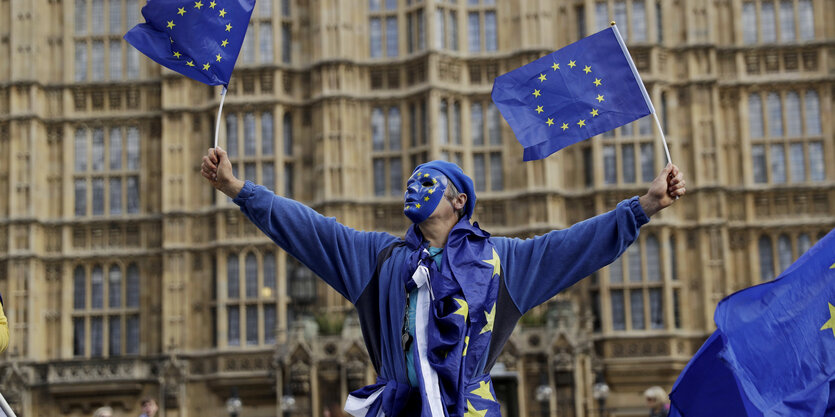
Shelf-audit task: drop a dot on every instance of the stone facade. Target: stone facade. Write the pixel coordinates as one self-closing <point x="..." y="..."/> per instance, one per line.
<point x="126" y="276"/>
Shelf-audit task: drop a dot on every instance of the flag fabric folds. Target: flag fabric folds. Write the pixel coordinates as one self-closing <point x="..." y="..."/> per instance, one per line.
<point x="200" y="39"/>
<point x="581" y="90"/>
<point x="774" y="347"/>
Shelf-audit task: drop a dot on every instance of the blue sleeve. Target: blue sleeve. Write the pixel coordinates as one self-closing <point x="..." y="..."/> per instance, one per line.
<point x="537" y="269"/>
<point x="345" y="258"/>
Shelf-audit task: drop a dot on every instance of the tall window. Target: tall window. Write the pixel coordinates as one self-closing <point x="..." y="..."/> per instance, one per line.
<point x="418" y="133"/>
<point x="482" y="33"/>
<point x="629" y="153"/>
<point x="488" y="172"/>
<point x="105" y="310"/>
<point x="767" y="21"/>
<point x="791" y="151"/>
<point x="106" y="177"/>
<point x="99" y="49"/>
<point x="446" y="23"/>
<point x="386" y="150"/>
<point x="250" y="142"/>
<point x="415" y="28"/>
<point x="383" y="28"/>
<point x="289" y="155"/>
<point x="630" y="16"/>
<point x="766" y="258"/>
<point x="250" y="301"/>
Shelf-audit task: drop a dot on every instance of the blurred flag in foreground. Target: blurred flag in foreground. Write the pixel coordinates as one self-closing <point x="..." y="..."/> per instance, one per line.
<point x="581" y="90"/>
<point x="773" y="353"/>
<point x="200" y="39"/>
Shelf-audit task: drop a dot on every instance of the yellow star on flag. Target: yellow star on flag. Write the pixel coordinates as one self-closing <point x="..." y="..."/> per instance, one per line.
<point x="491" y="316"/>
<point x="483" y="391"/>
<point x="170" y="24"/>
<point x="542" y="77"/>
<point x="425" y="175"/>
<point x="181" y="11"/>
<point x="597" y="82"/>
<point x="206" y="66"/>
<point x="832" y="267"/>
<point x="550" y="121"/>
<point x="198" y="4"/>
<point x="431" y="190"/>
<point x="425" y="198"/>
<point x="572" y="64"/>
<point x="466" y="345"/>
<point x="600" y="98"/>
<point x="472" y="412"/>
<point x="555" y="66"/>
<point x="212" y="4"/>
<point x="536" y="93"/>
<point x="190" y="63"/>
<point x="228" y="27"/>
<point x="587" y="69"/>
<point x="564" y="126"/>
<point x="417" y="205"/>
<point x="581" y="123"/>
<point x="593" y="112"/>
<point x="177" y="54"/>
<point x="497" y="264"/>
<point x="463" y="307"/>
<point x="218" y="57"/>
<point x="222" y="12"/>
<point x="539" y="109"/>
<point x="224" y="43"/>
<point x="830" y="324"/>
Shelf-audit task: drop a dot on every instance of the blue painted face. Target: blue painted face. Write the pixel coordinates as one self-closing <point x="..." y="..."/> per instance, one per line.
<point x="424" y="190"/>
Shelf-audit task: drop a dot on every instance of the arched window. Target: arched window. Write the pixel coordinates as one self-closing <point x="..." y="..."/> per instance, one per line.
<point x="803" y="244"/>
<point x="269" y="273"/>
<point x="251" y="276"/>
<point x="288" y="134"/>
<point x="249" y="134"/>
<point x="766" y="259"/>
<point x="456" y="123"/>
<point x="775" y="115"/>
<point x="443" y="123"/>
<point x="394" y="123"/>
<point x="653" y="259"/>
<point x="267" y="136"/>
<point x="114" y="289"/>
<point x="784" y="252"/>
<point x="97" y="288"/>
<point x="755" y="116"/>
<point x="616" y="271"/>
<point x="813" y="114"/>
<point x="233" y="282"/>
<point x="132" y="293"/>
<point x="793" y="119"/>
<point x="79" y="288"/>
<point x="232" y="135"/>
<point x="673" y="262"/>
<point x="476" y="120"/>
<point x="377" y="125"/>
<point x="635" y="270"/>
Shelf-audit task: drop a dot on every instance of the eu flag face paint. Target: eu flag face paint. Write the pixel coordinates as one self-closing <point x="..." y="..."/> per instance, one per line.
<point x="424" y="190"/>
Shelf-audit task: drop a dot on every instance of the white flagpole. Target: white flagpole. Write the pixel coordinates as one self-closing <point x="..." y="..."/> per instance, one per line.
<point x="663" y="139"/>
<point x="219" y="111"/>
<point x="5" y="409"/>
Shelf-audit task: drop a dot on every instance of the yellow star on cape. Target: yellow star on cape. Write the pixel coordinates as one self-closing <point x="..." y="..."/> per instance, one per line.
<point x="483" y="391"/>
<point x="491" y="316"/>
<point x="222" y="12"/>
<point x="472" y="412"/>
<point x="497" y="264"/>
<point x="600" y="98"/>
<point x="587" y="69"/>
<point x="190" y="63"/>
<point x="536" y="93"/>
<point x="181" y="11"/>
<point x="830" y="324"/>
<point x="228" y="27"/>
<point x="206" y="66"/>
<point x="425" y="175"/>
<point x="555" y="66"/>
<point x="170" y="24"/>
<point x="550" y="121"/>
<point x="177" y="54"/>
<point x="597" y="82"/>
<point x="218" y="57"/>
<point x="212" y="5"/>
<point x="198" y="4"/>
<point x="539" y="109"/>
<point x="593" y="112"/>
<point x="572" y="64"/>
<point x="463" y="307"/>
<point x="542" y="77"/>
<point x="224" y="43"/>
<point x="466" y="345"/>
<point x="564" y="126"/>
<point x="581" y="123"/>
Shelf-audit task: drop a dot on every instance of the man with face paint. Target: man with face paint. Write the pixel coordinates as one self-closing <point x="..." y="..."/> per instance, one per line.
<point x="437" y="306"/>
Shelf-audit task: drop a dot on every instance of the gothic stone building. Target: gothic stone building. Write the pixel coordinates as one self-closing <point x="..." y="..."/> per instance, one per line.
<point x="126" y="276"/>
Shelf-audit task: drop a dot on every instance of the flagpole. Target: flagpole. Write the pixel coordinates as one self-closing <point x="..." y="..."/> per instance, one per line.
<point x="220" y="110"/>
<point x="663" y="139"/>
<point x="4" y="407"/>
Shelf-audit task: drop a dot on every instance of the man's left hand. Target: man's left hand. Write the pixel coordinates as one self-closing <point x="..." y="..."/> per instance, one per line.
<point x="665" y="189"/>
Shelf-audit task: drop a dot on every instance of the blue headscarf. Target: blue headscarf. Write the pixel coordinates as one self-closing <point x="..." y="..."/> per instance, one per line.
<point x="462" y="182"/>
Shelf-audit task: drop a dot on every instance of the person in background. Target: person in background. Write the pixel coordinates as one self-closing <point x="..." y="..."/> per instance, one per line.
<point x="657" y="401"/>
<point x="4" y="328"/>
<point x="149" y="407"/>
<point x="103" y="412"/>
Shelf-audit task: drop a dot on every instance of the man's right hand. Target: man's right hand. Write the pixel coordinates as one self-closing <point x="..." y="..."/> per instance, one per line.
<point x="217" y="169"/>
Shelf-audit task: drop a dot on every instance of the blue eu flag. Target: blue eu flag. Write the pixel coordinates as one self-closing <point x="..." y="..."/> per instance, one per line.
<point x="774" y="345"/>
<point x="200" y="39"/>
<point x="582" y="90"/>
